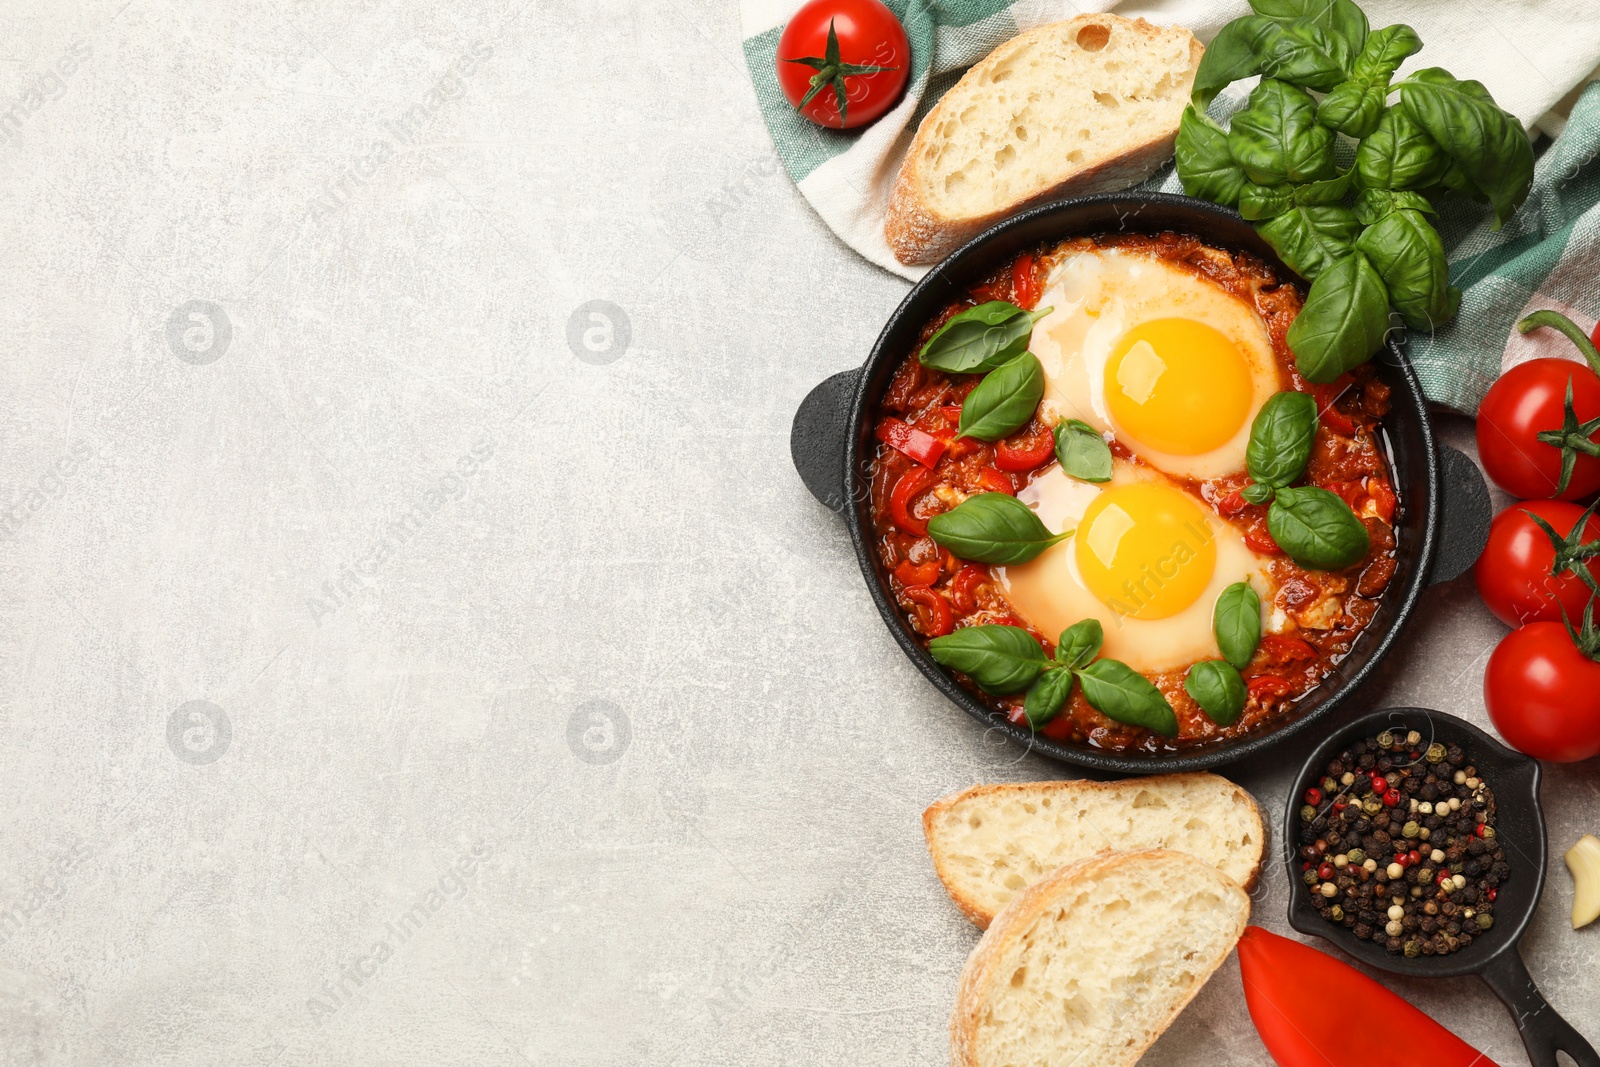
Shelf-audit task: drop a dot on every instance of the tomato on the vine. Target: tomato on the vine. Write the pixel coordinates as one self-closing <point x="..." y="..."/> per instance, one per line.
<point x="1525" y="575"/>
<point x="1542" y="689"/>
<point x="843" y="63"/>
<point x="1536" y="426"/>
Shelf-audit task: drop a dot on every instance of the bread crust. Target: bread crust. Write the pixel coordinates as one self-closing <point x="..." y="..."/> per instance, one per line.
<point x="918" y="234"/>
<point x="1027" y="906"/>
<point x="979" y="916"/>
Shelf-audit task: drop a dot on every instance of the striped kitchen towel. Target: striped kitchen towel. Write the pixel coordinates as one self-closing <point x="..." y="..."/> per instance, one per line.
<point x="1534" y="55"/>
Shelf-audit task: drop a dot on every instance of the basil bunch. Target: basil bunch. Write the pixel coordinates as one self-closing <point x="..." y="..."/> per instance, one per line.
<point x="980" y="338"/>
<point x="1006" y="660"/>
<point x="993" y="528"/>
<point x="1444" y="137"/>
<point x="1315" y="527"/>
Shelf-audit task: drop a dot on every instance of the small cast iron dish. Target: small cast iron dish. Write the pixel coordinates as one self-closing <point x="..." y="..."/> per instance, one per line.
<point x="1519" y="824"/>
<point x="1443" y="524"/>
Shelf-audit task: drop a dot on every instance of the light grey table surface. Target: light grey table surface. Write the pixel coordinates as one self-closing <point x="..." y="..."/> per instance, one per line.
<point x="544" y="716"/>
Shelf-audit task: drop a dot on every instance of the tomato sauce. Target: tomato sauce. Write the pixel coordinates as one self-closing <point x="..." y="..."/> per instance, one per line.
<point x="1322" y="613"/>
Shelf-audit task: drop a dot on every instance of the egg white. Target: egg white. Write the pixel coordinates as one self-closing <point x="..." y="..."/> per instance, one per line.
<point x="1049" y="592"/>
<point x="1096" y="296"/>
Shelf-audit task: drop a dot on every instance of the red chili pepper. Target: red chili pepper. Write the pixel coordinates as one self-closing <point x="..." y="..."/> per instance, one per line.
<point x="1269" y="685"/>
<point x="933" y="611"/>
<point x="1026" y="454"/>
<point x="1284" y="648"/>
<point x="918" y="444"/>
<point x="912" y="484"/>
<point x="1259" y="540"/>
<point x="1024" y="282"/>
<point x="993" y="481"/>
<point x="1289" y="988"/>
<point x="964" y="588"/>
<point x="924" y="573"/>
<point x="1382" y="494"/>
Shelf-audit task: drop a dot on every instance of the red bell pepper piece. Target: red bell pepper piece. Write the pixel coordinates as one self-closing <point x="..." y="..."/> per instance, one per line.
<point x="1332" y="417"/>
<point x="912" y="484"/>
<point x="924" y="573"/>
<point x="1024" y="282"/>
<point x="1269" y="685"/>
<point x="1284" y="648"/>
<point x="1382" y="494"/>
<point x="1313" y="1011"/>
<point x="921" y="446"/>
<point x="964" y="587"/>
<point x="993" y="481"/>
<point x="1260" y="540"/>
<point x="1026" y="454"/>
<point x="933" y="614"/>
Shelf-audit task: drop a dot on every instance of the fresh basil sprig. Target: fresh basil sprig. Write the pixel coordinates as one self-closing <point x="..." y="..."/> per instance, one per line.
<point x="1082" y="452"/>
<point x="1236" y="620"/>
<point x="1310" y="237"/>
<point x="980" y="338"/>
<point x="1006" y="659"/>
<point x="1399" y="154"/>
<point x="1317" y="529"/>
<point x="1205" y="166"/>
<point x="1001" y="659"/>
<point x="993" y="528"/>
<point x="1408" y="255"/>
<point x="1276" y="137"/>
<point x="1005" y="400"/>
<point x="1280" y="441"/>
<point x="1219" y="690"/>
<point x="1344" y="320"/>
<point x="1354" y="107"/>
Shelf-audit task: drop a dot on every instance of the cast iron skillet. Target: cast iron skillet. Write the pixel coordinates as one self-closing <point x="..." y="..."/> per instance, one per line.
<point x="1519" y="824"/>
<point x="1442" y="526"/>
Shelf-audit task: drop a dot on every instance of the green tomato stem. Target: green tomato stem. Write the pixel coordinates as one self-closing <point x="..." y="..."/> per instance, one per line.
<point x="1557" y="321"/>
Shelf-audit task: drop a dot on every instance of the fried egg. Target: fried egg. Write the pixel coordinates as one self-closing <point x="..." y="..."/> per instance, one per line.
<point x="1148" y="560"/>
<point x="1173" y="364"/>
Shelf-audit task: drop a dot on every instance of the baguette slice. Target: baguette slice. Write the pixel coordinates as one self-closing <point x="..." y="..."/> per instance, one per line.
<point x="991" y="841"/>
<point x="1076" y="107"/>
<point x="1090" y="965"/>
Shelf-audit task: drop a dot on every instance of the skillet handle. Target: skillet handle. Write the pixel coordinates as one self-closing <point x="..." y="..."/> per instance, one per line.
<point x="817" y="438"/>
<point x="1543" y="1031"/>
<point x="1463" y="516"/>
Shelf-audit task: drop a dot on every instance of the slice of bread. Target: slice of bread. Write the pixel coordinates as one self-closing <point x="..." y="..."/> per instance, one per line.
<point x="1076" y="107"/>
<point x="992" y="841"/>
<point x="1090" y="965"/>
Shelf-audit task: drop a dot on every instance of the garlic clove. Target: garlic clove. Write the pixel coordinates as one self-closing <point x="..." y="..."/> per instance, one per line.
<point x="1583" y="860"/>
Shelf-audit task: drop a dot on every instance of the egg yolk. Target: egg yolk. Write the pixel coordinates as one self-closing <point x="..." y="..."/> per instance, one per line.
<point x="1146" y="551"/>
<point x="1178" y="386"/>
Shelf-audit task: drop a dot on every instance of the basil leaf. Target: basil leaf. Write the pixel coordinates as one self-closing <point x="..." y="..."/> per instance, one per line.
<point x="1355" y="107"/>
<point x="1047" y="696"/>
<point x="1280" y="439"/>
<point x="1489" y="144"/>
<point x="1408" y="254"/>
<point x="1204" y="164"/>
<point x="980" y="338"/>
<point x="1001" y="659"/>
<point x="1082" y="452"/>
<point x="1344" y="320"/>
<point x="1302" y="54"/>
<point x="993" y="528"/>
<point x="1455" y="180"/>
<point x="1342" y="20"/>
<point x="1327" y="191"/>
<point x="1399" y="154"/>
<point x="1258" y="202"/>
<point x="1005" y="400"/>
<point x="1309" y="238"/>
<point x="1080" y="643"/>
<point x="1257" y="493"/>
<point x="1230" y="56"/>
<point x="1236" y="620"/>
<point x="1218" y="689"/>
<point x="1374" y="204"/>
<point x="1119" y="692"/>
<point x="1317" y="529"/>
<point x="1276" y="137"/>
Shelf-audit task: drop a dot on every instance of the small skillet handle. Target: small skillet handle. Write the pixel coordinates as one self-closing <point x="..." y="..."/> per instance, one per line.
<point x="1543" y="1031"/>
<point x="817" y="438"/>
<point x="1463" y="516"/>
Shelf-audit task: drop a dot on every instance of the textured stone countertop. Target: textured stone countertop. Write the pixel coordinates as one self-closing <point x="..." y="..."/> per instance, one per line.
<point x="416" y="644"/>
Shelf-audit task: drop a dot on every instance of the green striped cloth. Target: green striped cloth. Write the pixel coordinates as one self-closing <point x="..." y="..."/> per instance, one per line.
<point x="1548" y="255"/>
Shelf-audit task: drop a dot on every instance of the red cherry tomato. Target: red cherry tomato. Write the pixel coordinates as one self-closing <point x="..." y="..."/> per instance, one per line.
<point x="1543" y="694"/>
<point x="1513" y="574"/>
<point x="851" y="59"/>
<point x="1528" y="399"/>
